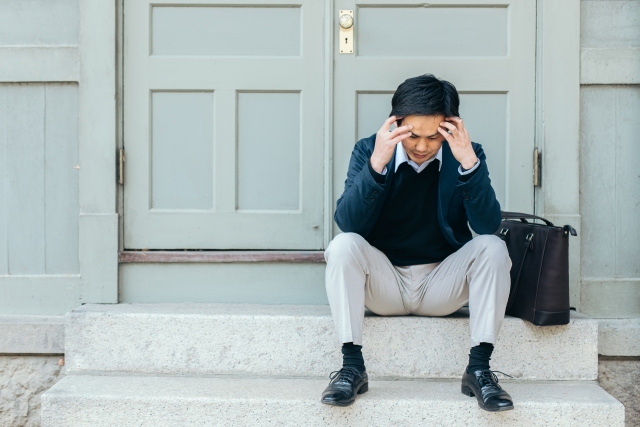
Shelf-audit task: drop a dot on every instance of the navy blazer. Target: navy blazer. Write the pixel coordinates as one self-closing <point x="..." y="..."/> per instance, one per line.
<point x="473" y="201"/>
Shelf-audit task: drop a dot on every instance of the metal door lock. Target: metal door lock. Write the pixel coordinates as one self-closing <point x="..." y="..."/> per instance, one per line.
<point x="346" y="31"/>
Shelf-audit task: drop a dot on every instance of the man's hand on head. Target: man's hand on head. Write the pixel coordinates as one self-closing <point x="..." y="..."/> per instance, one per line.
<point x="459" y="141"/>
<point x="386" y="142"/>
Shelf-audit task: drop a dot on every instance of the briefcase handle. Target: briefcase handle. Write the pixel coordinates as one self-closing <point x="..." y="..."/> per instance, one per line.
<point x="523" y="217"/>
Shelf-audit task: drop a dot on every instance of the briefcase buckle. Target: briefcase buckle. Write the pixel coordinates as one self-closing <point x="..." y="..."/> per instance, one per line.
<point x="503" y="233"/>
<point x="529" y="241"/>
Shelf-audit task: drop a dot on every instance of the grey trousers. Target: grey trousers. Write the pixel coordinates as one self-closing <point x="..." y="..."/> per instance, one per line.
<point x="359" y="275"/>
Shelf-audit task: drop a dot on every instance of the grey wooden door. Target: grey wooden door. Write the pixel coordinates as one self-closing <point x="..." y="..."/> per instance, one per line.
<point x="224" y="118"/>
<point x="225" y="108"/>
<point x="485" y="48"/>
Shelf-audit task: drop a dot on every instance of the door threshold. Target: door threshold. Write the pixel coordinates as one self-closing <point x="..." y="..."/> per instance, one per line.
<point x="220" y="256"/>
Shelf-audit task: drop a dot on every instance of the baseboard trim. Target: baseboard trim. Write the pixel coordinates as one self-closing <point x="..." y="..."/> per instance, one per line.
<point x="221" y="256"/>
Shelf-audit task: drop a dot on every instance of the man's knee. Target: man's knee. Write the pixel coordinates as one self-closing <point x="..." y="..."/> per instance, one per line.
<point x="493" y="266"/>
<point x="343" y="246"/>
<point x="493" y="248"/>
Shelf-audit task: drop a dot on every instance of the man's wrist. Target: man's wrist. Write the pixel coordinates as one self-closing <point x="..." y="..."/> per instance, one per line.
<point x="377" y="177"/>
<point x="376" y="166"/>
<point x="469" y="163"/>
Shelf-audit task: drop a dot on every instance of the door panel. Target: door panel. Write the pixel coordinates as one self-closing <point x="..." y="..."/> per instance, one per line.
<point x="486" y="49"/>
<point x="272" y="185"/>
<point x="182" y="179"/>
<point x="224" y="108"/>
<point x="215" y="30"/>
<point x="431" y="31"/>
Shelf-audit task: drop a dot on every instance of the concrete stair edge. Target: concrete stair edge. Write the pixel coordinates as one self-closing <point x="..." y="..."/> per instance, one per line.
<point x="128" y="401"/>
<point x="300" y="341"/>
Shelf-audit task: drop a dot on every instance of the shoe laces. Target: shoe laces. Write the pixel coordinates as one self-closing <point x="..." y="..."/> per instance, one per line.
<point x="347" y="372"/>
<point x="490" y="376"/>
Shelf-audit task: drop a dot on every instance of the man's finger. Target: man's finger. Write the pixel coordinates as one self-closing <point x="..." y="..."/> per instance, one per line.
<point x="446" y="134"/>
<point x="387" y="123"/>
<point x="401" y="129"/>
<point x="457" y="120"/>
<point x="399" y="138"/>
<point x="449" y="126"/>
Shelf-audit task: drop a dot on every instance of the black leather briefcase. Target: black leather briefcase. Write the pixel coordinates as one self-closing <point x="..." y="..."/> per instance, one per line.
<point x="540" y="268"/>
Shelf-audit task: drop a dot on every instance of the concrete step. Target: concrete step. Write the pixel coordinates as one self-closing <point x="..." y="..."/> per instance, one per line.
<point x="300" y="341"/>
<point x="159" y="401"/>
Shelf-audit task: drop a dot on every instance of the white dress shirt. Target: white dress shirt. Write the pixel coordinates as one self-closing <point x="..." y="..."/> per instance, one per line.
<point x="401" y="157"/>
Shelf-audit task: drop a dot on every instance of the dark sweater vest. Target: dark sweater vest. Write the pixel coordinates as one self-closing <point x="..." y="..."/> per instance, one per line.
<point x="407" y="230"/>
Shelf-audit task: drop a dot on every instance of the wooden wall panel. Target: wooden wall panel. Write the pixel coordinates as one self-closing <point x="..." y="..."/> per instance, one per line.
<point x="40" y="294"/>
<point x="43" y="123"/>
<point x="38" y="22"/>
<point x="25" y="156"/>
<point x="627" y="151"/>
<point x="597" y="181"/>
<point x="61" y="179"/>
<point x="4" y="183"/>
<point x="609" y="197"/>
<point x="611" y="298"/>
<point x="609" y="24"/>
<point x="609" y="178"/>
<point x="39" y="179"/>
<point x="610" y="42"/>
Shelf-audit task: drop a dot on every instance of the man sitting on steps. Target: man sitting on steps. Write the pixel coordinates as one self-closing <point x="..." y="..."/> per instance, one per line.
<point x="406" y="247"/>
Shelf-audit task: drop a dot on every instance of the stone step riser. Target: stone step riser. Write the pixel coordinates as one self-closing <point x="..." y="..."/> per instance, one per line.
<point x="300" y="341"/>
<point x="85" y="401"/>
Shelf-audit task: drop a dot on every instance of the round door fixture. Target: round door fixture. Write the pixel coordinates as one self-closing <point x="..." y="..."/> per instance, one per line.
<point x="346" y="21"/>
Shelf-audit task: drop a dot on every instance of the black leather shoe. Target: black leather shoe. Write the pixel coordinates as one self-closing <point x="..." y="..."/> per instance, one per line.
<point x="344" y="385"/>
<point x="483" y="384"/>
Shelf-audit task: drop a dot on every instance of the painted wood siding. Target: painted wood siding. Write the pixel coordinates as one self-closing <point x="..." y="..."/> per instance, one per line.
<point x="58" y="224"/>
<point x="39" y="179"/>
<point x="39" y="22"/>
<point x="610" y="149"/>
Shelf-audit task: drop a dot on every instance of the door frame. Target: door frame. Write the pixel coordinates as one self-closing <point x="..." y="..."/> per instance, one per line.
<point x="557" y="133"/>
<point x="557" y="119"/>
<point x="329" y="29"/>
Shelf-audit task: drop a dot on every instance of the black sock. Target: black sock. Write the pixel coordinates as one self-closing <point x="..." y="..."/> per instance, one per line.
<point x="479" y="357"/>
<point x="352" y="356"/>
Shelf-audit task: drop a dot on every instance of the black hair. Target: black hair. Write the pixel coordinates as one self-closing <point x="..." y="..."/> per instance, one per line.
<point x="425" y="95"/>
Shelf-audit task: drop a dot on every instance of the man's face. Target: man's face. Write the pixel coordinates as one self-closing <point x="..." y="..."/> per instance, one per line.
<point x="425" y="140"/>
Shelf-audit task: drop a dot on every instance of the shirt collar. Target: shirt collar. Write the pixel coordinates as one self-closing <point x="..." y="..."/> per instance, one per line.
<point x="401" y="157"/>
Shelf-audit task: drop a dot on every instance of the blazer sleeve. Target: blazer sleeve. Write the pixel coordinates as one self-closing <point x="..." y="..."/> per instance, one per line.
<point x="360" y="203"/>
<point x="479" y="198"/>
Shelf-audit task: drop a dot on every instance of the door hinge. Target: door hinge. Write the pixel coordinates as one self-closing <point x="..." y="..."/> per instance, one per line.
<point x="121" y="166"/>
<point x="536" y="168"/>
